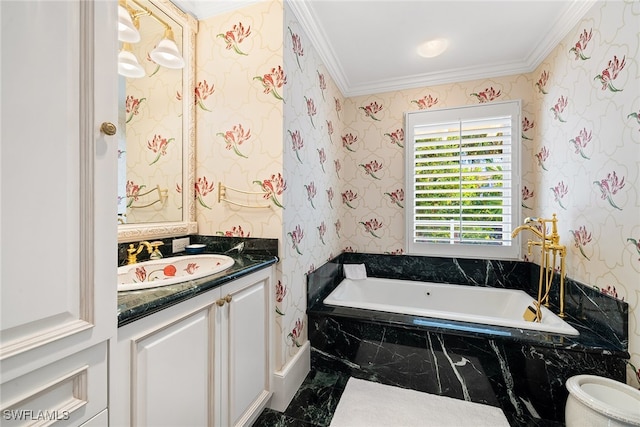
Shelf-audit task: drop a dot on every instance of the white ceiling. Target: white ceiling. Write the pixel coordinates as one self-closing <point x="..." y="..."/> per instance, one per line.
<point x="369" y="46"/>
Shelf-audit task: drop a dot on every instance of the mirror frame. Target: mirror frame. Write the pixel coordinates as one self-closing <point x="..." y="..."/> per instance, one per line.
<point x="188" y="225"/>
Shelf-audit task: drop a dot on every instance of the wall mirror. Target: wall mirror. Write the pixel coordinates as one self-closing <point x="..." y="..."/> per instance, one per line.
<point x="156" y="132"/>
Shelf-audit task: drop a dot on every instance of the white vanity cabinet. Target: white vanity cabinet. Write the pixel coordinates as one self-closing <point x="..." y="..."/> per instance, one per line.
<point x="58" y="229"/>
<point x="206" y="361"/>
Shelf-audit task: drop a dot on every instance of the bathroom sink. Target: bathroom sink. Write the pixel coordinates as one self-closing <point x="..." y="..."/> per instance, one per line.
<point x="169" y="271"/>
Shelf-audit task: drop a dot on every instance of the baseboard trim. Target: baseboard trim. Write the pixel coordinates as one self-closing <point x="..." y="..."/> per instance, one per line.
<point x="288" y="380"/>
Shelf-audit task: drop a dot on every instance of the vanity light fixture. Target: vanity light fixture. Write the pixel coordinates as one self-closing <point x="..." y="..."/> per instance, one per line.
<point x="127" y="30"/>
<point x="433" y="48"/>
<point x="166" y="53"/>
<point x="128" y="65"/>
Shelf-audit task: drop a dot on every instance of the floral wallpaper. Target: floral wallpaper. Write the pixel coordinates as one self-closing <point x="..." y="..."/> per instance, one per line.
<point x="239" y="137"/>
<point x="585" y="148"/>
<point x="312" y="162"/>
<point x="581" y="148"/>
<point x="150" y="151"/>
<point x="331" y="169"/>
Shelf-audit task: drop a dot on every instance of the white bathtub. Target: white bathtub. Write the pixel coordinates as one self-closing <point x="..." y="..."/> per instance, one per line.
<point x="474" y="304"/>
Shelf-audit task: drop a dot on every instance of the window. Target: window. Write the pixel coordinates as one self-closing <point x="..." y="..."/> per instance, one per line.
<point x="463" y="181"/>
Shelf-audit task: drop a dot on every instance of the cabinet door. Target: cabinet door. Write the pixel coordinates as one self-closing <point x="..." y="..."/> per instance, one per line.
<point x="58" y="225"/>
<point x="171" y="373"/>
<point x="246" y="347"/>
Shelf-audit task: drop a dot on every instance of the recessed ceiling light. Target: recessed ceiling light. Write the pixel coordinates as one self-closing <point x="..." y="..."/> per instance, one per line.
<point x="432" y="48"/>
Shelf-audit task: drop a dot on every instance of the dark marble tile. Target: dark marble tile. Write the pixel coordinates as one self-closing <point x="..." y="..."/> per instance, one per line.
<point x="601" y="319"/>
<point x="316" y="400"/>
<point x="326" y="362"/>
<point x="526" y="380"/>
<point x="329" y="372"/>
<point x="215" y="244"/>
<point x="475" y="272"/>
<point x="244" y="245"/>
<point x="271" y="418"/>
<point x="313" y="404"/>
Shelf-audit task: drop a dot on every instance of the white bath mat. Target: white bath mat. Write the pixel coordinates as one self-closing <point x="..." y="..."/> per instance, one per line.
<point x="369" y="404"/>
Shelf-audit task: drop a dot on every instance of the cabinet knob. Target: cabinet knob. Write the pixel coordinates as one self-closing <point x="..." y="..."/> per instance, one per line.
<point x="108" y="128"/>
<point x="224" y="300"/>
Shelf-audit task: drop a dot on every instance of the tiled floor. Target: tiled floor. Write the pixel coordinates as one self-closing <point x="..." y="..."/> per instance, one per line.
<point x="314" y="402"/>
<point x="317" y="398"/>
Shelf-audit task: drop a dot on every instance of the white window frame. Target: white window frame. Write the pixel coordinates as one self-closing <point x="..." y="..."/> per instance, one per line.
<point x="510" y="248"/>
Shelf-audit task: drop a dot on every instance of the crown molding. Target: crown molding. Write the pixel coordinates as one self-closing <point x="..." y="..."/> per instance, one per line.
<point x="437" y="78"/>
<point x="564" y="23"/>
<point x="318" y="38"/>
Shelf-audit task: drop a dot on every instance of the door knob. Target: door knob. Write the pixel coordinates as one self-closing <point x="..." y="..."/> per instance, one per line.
<point x="108" y="128"/>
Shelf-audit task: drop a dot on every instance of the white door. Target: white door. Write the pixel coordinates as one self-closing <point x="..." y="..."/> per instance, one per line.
<point x="58" y="223"/>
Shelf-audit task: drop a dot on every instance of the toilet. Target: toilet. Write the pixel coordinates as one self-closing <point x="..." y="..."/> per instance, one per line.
<point x="599" y="401"/>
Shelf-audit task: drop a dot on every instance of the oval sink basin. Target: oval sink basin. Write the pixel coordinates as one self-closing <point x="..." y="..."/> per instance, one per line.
<point x="169" y="271"/>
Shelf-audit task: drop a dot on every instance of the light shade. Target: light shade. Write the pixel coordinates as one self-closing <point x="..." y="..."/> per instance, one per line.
<point x="432" y="48"/>
<point x="128" y="65"/>
<point x="127" y="31"/>
<point x="166" y="53"/>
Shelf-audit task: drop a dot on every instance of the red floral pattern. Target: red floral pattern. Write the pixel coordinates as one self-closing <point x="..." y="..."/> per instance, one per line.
<point x="202" y="188"/>
<point x="425" y="102"/>
<point x="273" y="187"/>
<point x="487" y="95"/>
<point x="273" y="81"/>
<point x="236" y="35"/>
<point x="235" y="137"/>
<point x="542" y="82"/>
<point x="581" y="45"/>
<point x="610" y="73"/>
<point x="203" y="91"/>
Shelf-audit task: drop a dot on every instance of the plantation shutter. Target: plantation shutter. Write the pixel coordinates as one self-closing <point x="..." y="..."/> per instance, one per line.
<point x="463" y="172"/>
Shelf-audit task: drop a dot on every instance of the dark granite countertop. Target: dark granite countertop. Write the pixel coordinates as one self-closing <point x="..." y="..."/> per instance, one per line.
<point x="134" y="305"/>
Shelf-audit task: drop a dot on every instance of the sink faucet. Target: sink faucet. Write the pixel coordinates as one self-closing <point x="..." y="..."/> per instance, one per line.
<point x="550" y="245"/>
<point x="156" y="254"/>
<point x="133" y="251"/>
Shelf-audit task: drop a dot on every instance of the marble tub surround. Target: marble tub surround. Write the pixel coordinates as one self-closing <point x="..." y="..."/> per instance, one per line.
<point x="523" y="372"/>
<point x="601" y="319"/>
<point x="526" y="381"/>
<point x="134" y="305"/>
<point x="214" y="245"/>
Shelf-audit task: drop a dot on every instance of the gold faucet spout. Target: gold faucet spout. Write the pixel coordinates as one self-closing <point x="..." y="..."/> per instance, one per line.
<point x="530" y="228"/>
<point x="133" y="251"/>
<point x="549" y="245"/>
<point x="147" y="245"/>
